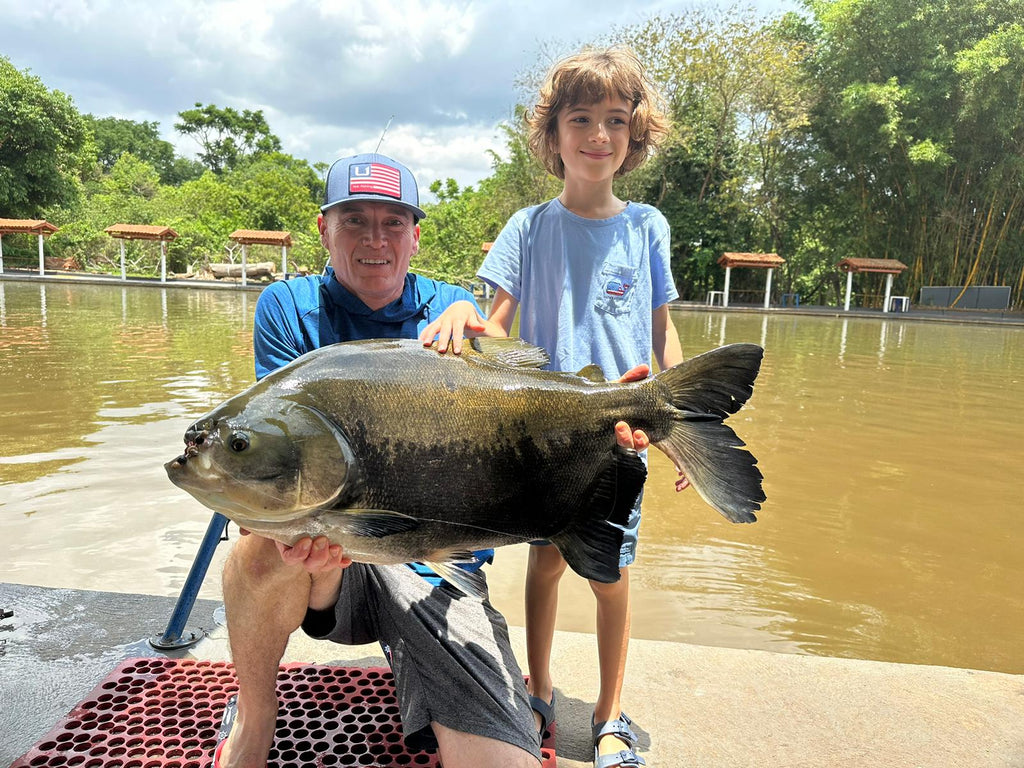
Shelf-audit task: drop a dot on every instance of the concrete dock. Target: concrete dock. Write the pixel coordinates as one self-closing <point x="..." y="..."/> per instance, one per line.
<point x="692" y="705"/>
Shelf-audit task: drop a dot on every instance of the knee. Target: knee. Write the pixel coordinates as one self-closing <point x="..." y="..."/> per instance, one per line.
<point x="615" y="589"/>
<point x="546" y="562"/>
<point x="252" y="562"/>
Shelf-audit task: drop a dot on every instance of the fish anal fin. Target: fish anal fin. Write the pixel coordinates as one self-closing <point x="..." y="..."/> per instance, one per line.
<point x="592" y="546"/>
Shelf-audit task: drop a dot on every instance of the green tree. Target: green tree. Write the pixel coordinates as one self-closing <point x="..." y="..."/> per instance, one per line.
<point x="43" y="145"/>
<point x="227" y="137"/>
<point x="917" y="128"/>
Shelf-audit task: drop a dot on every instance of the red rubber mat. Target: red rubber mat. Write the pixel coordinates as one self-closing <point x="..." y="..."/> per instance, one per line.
<point x="165" y="713"/>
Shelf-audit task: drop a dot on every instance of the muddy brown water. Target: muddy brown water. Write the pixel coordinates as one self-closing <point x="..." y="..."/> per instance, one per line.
<point x="890" y="449"/>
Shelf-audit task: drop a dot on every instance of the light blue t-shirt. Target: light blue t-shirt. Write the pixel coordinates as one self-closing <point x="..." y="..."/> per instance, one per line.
<point x="586" y="287"/>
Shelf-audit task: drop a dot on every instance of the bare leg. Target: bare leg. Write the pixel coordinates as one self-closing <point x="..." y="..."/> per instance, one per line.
<point x="544" y="570"/>
<point x="613" y="614"/>
<point x="265" y="600"/>
<point x="467" y="750"/>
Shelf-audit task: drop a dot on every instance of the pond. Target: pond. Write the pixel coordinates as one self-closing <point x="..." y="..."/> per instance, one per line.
<point x="890" y="449"/>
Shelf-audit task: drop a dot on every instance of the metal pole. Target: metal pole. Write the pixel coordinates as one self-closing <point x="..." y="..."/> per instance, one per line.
<point x="123" y="274"/>
<point x="243" y="264"/>
<point x="725" y="293"/>
<point x="1" y="254"/>
<point x="41" y="266"/>
<point x="768" y="288"/>
<point x="849" y="287"/>
<point x="163" y="261"/>
<point x="172" y="637"/>
<point x="284" y="261"/>
<point x="888" y="292"/>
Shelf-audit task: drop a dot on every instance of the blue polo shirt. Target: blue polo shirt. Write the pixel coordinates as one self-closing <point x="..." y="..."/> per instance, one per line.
<point x="294" y="317"/>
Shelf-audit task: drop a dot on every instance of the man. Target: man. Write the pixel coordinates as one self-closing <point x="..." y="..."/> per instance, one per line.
<point x="457" y="680"/>
<point x="456" y="676"/>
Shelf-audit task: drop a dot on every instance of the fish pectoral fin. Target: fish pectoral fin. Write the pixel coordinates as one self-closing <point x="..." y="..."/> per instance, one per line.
<point x="512" y="352"/>
<point x="591" y="547"/>
<point x="592" y="373"/>
<point x="470" y="583"/>
<point x="371" y="523"/>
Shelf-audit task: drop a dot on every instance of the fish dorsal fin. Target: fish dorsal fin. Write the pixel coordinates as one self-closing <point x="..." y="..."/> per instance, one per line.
<point x="510" y="351"/>
<point x="592" y="373"/>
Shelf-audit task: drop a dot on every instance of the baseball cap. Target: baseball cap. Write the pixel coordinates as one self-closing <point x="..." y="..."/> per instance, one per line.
<point x="372" y="177"/>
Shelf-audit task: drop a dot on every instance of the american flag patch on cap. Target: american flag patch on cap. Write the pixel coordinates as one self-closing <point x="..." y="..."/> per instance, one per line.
<point x="375" y="178"/>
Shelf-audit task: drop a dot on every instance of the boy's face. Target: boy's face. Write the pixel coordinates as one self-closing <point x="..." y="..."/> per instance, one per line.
<point x="593" y="139"/>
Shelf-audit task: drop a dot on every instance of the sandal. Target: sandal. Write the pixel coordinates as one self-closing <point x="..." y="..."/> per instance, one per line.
<point x="546" y="710"/>
<point x="230" y="713"/>
<point x="624" y="758"/>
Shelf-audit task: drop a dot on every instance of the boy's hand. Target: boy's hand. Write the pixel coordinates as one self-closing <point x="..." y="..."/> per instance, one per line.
<point x="460" y="320"/>
<point x="638" y="439"/>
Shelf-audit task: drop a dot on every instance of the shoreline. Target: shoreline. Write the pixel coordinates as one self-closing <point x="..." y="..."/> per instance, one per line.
<point x="692" y="705"/>
<point x="915" y="313"/>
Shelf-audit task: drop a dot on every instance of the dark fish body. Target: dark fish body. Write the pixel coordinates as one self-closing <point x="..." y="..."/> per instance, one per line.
<point x="400" y="454"/>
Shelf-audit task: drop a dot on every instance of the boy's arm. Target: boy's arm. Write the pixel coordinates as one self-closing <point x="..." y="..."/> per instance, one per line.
<point x="668" y="352"/>
<point x="462" y="319"/>
<point x="459" y="320"/>
<point x="503" y="309"/>
<point x="665" y="339"/>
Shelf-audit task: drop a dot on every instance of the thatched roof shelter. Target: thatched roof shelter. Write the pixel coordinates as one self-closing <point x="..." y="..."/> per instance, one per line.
<point x="767" y="261"/>
<point x="887" y="267"/>
<point x="39" y="227"/>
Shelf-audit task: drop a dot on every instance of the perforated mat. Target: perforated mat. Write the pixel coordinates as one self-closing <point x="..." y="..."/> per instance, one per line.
<point x="165" y="713"/>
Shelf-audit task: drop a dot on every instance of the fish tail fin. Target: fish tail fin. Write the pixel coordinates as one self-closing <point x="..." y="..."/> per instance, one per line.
<point x="591" y="547"/>
<point x="704" y="391"/>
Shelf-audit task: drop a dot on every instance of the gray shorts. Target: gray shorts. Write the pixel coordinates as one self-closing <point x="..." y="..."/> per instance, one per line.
<point x="450" y="654"/>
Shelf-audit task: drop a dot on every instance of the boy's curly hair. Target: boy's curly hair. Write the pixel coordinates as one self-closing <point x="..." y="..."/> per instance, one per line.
<point x="590" y="77"/>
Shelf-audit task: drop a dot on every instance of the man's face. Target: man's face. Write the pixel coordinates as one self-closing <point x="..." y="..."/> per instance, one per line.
<point x="371" y="244"/>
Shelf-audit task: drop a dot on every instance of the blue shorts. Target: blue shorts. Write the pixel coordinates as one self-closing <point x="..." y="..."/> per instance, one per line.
<point x="630" y="534"/>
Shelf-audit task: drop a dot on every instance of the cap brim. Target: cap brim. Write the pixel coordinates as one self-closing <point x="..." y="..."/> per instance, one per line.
<point x="418" y="212"/>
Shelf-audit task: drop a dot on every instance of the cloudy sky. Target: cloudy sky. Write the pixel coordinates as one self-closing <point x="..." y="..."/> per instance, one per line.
<point x="328" y="74"/>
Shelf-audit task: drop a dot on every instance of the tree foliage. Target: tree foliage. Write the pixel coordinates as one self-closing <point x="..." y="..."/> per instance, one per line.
<point x="226" y="136"/>
<point x="878" y="128"/>
<point x="43" y="145"/>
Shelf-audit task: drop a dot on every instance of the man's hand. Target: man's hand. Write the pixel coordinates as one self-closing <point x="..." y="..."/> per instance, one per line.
<point x="460" y="320"/>
<point x="314" y="555"/>
<point x="638" y="440"/>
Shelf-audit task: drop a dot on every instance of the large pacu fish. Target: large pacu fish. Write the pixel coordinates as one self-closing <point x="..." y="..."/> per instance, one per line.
<point x="400" y="454"/>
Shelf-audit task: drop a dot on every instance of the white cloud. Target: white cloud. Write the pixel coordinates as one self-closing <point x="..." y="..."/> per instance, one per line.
<point x="328" y="75"/>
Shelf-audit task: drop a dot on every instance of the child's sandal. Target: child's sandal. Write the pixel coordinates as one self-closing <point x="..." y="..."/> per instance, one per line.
<point x="625" y="758"/>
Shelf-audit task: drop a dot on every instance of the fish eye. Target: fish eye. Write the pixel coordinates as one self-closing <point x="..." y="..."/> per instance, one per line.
<point x="238" y="441"/>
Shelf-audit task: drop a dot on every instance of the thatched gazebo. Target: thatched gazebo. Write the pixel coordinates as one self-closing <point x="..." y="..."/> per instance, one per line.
<point x="757" y="260"/>
<point x="38" y="227"/>
<point x="888" y="267"/>
<point x="247" y="237"/>
<point x="143" y="232"/>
